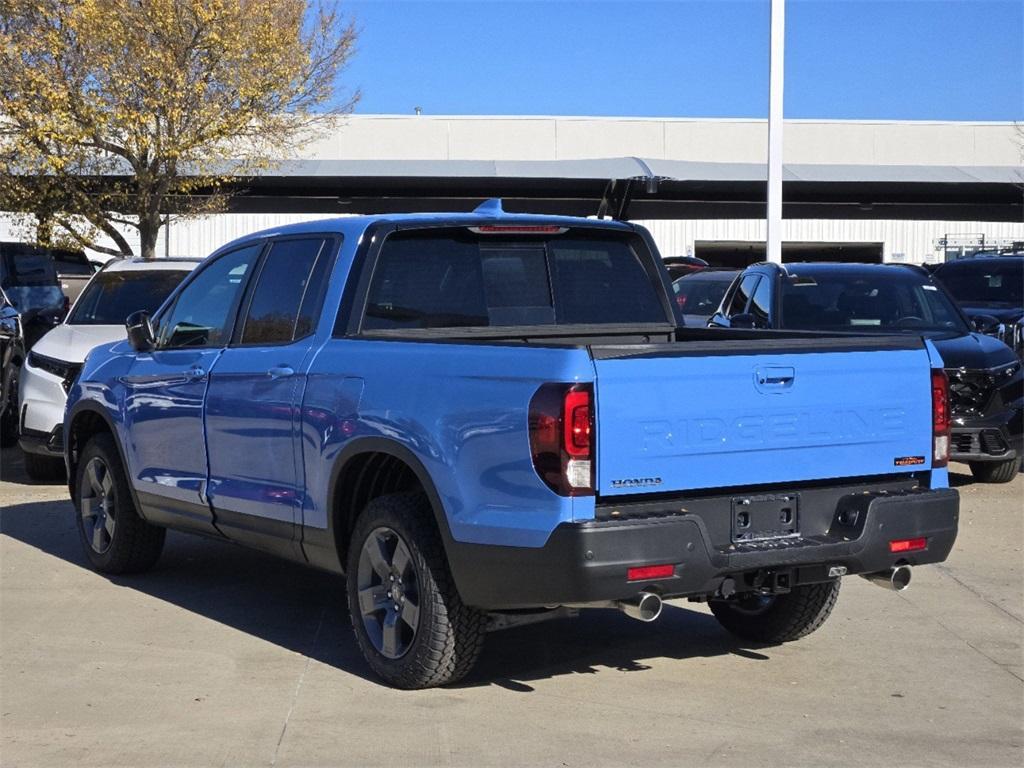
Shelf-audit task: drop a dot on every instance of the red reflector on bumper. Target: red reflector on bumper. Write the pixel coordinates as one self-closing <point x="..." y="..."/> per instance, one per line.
<point x="907" y="545"/>
<point x="646" y="572"/>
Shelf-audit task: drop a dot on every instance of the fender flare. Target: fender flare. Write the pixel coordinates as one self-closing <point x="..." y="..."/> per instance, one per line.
<point x="363" y="445"/>
<point x="90" y="406"/>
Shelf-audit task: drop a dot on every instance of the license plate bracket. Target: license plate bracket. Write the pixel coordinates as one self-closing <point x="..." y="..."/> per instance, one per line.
<point x="763" y="517"/>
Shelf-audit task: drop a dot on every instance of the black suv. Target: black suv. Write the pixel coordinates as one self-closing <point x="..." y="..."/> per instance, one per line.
<point x="986" y="382"/>
<point x="990" y="289"/>
<point x="31" y="303"/>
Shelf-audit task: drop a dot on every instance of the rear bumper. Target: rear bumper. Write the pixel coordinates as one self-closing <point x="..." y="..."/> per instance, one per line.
<point x="588" y="561"/>
<point x="986" y="443"/>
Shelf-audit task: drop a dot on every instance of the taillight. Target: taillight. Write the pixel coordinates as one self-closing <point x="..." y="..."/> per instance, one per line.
<point x="649" y="572"/>
<point x="940" y="418"/>
<point x="907" y="545"/>
<point x="562" y="437"/>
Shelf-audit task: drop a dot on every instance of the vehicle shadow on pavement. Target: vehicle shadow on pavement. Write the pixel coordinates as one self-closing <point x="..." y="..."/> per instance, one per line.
<point x="960" y="479"/>
<point x="303" y="610"/>
<point x="12" y="470"/>
<point x="600" y="640"/>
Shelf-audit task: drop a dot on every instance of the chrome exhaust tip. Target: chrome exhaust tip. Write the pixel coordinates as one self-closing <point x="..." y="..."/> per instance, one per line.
<point x="646" y="606"/>
<point x="896" y="579"/>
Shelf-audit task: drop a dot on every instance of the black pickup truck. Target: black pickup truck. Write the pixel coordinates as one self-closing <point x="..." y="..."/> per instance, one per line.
<point x="986" y="385"/>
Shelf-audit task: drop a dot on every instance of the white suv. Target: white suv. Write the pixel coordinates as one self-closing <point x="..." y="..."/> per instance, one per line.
<point x="120" y="288"/>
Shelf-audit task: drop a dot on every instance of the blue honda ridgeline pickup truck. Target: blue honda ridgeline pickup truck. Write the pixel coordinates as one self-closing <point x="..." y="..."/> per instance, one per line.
<point x="487" y="419"/>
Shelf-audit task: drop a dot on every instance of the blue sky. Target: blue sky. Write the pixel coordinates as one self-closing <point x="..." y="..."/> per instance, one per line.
<point x="853" y="59"/>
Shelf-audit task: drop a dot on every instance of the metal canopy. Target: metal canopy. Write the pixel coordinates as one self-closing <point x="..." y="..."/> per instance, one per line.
<point x="683" y="189"/>
<point x="660" y="189"/>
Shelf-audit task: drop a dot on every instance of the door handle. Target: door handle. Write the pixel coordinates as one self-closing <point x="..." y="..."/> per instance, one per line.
<point x="774" y="378"/>
<point x="195" y="373"/>
<point x="280" y="372"/>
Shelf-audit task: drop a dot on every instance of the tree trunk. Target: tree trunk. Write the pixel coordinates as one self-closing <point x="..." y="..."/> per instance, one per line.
<point x="44" y="229"/>
<point x="149" y="231"/>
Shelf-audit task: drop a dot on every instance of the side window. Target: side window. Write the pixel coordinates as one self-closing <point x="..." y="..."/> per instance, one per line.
<point x="202" y="314"/>
<point x="761" y="303"/>
<point x="738" y="305"/>
<point x="287" y="294"/>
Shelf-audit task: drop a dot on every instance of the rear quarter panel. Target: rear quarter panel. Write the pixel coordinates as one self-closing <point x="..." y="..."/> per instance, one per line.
<point x="461" y="409"/>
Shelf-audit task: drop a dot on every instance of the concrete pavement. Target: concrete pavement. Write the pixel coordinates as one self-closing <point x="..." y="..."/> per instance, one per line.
<point x="221" y="656"/>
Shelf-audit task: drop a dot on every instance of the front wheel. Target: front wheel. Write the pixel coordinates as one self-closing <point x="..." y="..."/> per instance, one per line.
<point x="773" y="619"/>
<point x="409" y="621"/>
<point x="115" y="538"/>
<point x="995" y="471"/>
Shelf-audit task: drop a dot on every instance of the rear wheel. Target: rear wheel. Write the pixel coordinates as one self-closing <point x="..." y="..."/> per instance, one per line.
<point x="9" y="414"/>
<point x="409" y="621"/>
<point x="8" y="427"/>
<point x="115" y="538"/>
<point x="774" y="619"/>
<point x="43" y="469"/>
<point x="995" y="471"/>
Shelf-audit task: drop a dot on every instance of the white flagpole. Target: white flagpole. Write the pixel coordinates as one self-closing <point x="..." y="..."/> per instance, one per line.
<point x="775" y="82"/>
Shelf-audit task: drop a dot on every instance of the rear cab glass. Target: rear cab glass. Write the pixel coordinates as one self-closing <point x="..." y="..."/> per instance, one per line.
<point x="28" y="278"/>
<point x="985" y="281"/>
<point x="455" y="278"/>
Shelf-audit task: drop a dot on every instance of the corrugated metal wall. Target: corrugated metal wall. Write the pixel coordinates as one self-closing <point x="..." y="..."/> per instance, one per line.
<point x="906" y="241"/>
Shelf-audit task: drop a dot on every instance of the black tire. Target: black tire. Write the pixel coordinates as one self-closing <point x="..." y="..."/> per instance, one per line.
<point x="995" y="471"/>
<point x="129" y="544"/>
<point x="9" y="414"/>
<point x="8" y="428"/>
<point x="780" y="618"/>
<point x="43" y="469"/>
<point x="447" y="637"/>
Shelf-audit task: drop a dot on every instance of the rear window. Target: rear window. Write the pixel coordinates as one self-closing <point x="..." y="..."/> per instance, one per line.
<point x="28" y="269"/>
<point x="862" y="300"/>
<point x="455" y="279"/>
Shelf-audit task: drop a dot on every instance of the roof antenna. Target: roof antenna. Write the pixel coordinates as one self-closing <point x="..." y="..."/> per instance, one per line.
<point x="490" y="207"/>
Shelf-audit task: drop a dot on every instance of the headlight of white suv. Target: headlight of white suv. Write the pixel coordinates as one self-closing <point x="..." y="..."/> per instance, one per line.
<point x="67" y="372"/>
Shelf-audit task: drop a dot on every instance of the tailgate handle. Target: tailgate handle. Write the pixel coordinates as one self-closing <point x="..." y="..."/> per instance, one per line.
<point x="774" y="379"/>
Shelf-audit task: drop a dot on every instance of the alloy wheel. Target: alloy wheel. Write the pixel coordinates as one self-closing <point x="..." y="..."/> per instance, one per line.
<point x="97" y="505"/>
<point x="388" y="591"/>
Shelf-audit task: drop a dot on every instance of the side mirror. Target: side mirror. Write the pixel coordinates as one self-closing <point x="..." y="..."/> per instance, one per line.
<point x="140" y="331"/>
<point x="743" y="320"/>
<point x="985" y="323"/>
<point x="9" y="319"/>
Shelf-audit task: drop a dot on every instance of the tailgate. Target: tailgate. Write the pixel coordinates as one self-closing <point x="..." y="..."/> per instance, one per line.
<point x="726" y="413"/>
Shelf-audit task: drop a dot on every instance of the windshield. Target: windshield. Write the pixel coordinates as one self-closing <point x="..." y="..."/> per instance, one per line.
<point x="988" y="282"/>
<point x="882" y="299"/>
<point x="112" y="296"/>
<point x="701" y="296"/>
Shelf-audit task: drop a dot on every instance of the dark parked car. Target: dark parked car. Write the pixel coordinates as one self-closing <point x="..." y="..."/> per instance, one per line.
<point x="986" y="383"/>
<point x="698" y="294"/>
<point x="990" y="290"/>
<point x="678" y="266"/>
<point x="31" y="303"/>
